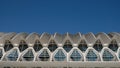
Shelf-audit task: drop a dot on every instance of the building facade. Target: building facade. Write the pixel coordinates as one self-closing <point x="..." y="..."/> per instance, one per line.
<point x="23" y="50"/>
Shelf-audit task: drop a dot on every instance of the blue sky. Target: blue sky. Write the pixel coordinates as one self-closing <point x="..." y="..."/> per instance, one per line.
<point x="60" y="16"/>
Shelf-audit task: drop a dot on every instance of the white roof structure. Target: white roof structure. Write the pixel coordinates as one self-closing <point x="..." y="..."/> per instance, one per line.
<point x="65" y="50"/>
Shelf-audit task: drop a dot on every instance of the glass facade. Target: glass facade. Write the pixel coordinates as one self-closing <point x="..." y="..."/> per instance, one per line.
<point x="107" y="56"/>
<point x="75" y="56"/>
<point x="60" y="47"/>
<point x="60" y="56"/>
<point x="52" y="46"/>
<point x="1" y="53"/>
<point x="22" y="46"/>
<point x="37" y="46"/>
<point x="8" y="45"/>
<point x="91" y="56"/>
<point x="13" y="55"/>
<point x="119" y="54"/>
<point x="113" y="45"/>
<point x="28" y="56"/>
<point x="44" y="56"/>
<point x="67" y="46"/>
<point x="98" y="46"/>
<point x="82" y="46"/>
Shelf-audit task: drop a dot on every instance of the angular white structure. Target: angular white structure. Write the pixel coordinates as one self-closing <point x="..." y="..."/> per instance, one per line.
<point x="78" y="50"/>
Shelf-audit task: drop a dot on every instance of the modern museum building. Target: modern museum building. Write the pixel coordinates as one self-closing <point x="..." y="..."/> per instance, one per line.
<point x="34" y="50"/>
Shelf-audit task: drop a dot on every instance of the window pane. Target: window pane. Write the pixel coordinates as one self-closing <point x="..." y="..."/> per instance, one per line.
<point x="52" y="46"/>
<point x="1" y="54"/>
<point x="22" y="46"/>
<point x="37" y="46"/>
<point x="75" y="56"/>
<point x="98" y="46"/>
<point x="67" y="46"/>
<point x="13" y="55"/>
<point x="60" y="56"/>
<point x="8" y="45"/>
<point x="113" y="45"/>
<point x="44" y="56"/>
<point x="29" y="56"/>
<point x="82" y="46"/>
<point x="107" y="56"/>
<point x="91" y="56"/>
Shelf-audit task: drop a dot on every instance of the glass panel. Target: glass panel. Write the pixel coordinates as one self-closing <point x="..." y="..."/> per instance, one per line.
<point x="29" y="56"/>
<point x="107" y="56"/>
<point x="75" y="56"/>
<point x="52" y="46"/>
<point x="82" y="46"/>
<point x="22" y="46"/>
<point x="1" y="54"/>
<point x="44" y="56"/>
<point x="119" y="54"/>
<point x="8" y="45"/>
<point x="13" y="55"/>
<point x="98" y="46"/>
<point x="60" y="56"/>
<point x="67" y="46"/>
<point x="91" y="56"/>
<point x="37" y="46"/>
<point x="113" y="45"/>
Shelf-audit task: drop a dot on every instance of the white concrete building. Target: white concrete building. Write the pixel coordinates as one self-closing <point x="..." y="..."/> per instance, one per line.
<point x="22" y="50"/>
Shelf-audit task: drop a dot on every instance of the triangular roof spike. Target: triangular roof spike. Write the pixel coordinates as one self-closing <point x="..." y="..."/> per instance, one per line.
<point x="83" y="38"/>
<point x="32" y="38"/>
<point x="52" y="39"/>
<point x="104" y="38"/>
<point x="54" y="34"/>
<point x="74" y="37"/>
<point x="2" y="34"/>
<point x="98" y="38"/>
<point x="90" y="37"/>
<point x="59" y="37"/>
<point x="7" y="36"/>
<point x="114" y="33"/>
<point x="67" y="38"/>
<point x="44" y="38"/>
<point x="116" y="36"/>
<point x="21" y="36"/>
<point x="106" y="35"/>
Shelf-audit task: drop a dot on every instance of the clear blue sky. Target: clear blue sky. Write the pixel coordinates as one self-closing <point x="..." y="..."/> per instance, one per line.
<point x="60" y="16"/>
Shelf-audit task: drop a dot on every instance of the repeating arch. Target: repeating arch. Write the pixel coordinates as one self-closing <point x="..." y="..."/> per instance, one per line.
<point x="13" y="55"/>
<point x="92" y="56"/>
<point x="76" y="55"/>
<point x="98" y="45"/>
<point x="108" y="55"/>
<point x="67" y="46"/>
<point x="37" y="46"/>
<point x="8" y="45"/>
<point x="52" y="46"/>
<point x="113" y="45"/>
<point x="22" y="45"/>
<point x="60" y="55"/>
<point x="44" y="55"/>
<point x="28" y="56"/>
<point x="83" y="45"/>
